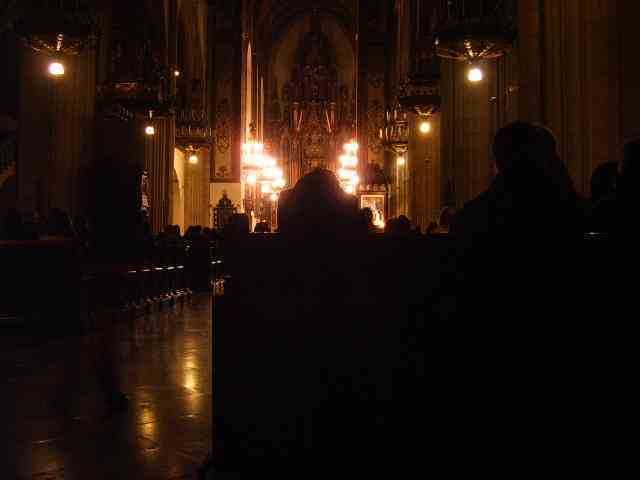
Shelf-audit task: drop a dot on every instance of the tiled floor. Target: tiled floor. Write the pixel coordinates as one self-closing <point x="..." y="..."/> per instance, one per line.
<point x="53" y="420"/>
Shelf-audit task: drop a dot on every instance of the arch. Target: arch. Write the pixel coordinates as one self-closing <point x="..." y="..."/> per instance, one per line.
<point x="285" y="50"/>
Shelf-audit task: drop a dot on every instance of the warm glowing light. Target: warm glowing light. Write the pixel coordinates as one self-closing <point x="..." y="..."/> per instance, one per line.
<point x="400" y="161"/>
<point x="56" y="69"/>
<point x="193" y="159"/>
<point x="190" y="380"/>
<point x="475" y="75"/>
<point x="252" y="155"/>
<point x="266" y="188"/>
<point x="176" y="73"/>
<point x="274" y="197"/>
<point x="150" y="130"/>
<point x="252" y="178"/>
<point x="351" y="147"/>
<point x="425" y="127"/>
<point x="268" y="162"/>
<point x="279" y="183"/>
<point x="349" y="161"/>
<point x="344" y="173"/>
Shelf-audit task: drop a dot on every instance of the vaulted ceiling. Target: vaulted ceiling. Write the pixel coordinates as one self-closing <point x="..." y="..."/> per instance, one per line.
<point x="273" y="17"/>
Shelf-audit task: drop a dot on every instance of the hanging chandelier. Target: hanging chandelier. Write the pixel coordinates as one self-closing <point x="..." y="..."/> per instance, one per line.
<point x="419" y="93"/>
<point x="473" y="31"/>
<point x="57" y="28"/>
<point x="348" y="171"/>
<point x="193" y="129"/>
<point x="394" y="135"/>
<point x="260" y="169"/>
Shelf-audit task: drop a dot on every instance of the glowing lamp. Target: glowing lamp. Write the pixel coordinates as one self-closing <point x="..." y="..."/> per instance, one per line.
<point x="475" y="75"/>
<point x="56" y="69"/>
<point x="348" y="160"/>
<point x="344" y="173"/>
<point x="176" y="73"/>
<point x="351" y="147"/>
<point x="425" y="127"/>
<point x="193" y="159"/>
<point x="150" y="130"/>
<point x="268" y="162"/>
<point x="400" y="161"/>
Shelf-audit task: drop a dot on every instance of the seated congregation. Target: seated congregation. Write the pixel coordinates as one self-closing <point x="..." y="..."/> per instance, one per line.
<point x="486" y="341"/>
<point x="494" y="341"/>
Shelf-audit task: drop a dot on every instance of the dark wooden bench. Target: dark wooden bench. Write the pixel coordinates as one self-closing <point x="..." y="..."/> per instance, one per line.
<point x="361" y="356"/>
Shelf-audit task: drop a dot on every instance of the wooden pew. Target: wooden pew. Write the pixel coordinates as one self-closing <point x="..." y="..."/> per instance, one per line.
<point x="41" y="287"/>
<point x="356" y="354"/>
<point x="312" y="341"/>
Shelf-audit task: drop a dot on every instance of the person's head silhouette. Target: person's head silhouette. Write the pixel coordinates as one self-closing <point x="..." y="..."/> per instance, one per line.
<point x="523" y="152"/>
<point x="630" y="168"/>
<point x="604" y="180"/>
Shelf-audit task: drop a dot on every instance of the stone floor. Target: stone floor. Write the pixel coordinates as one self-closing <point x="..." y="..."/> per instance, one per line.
<point x="53" y="419"/>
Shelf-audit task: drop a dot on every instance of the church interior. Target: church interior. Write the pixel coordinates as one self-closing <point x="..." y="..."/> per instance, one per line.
<point x="316" y="238"/>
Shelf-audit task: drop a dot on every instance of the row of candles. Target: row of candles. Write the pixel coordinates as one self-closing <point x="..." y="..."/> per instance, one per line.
<point x="262" y="170"/>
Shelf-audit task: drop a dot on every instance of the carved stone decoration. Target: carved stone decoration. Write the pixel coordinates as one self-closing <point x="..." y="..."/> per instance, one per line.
<point x="315" y="106"/>
<point x="222" y="172"/>
<point x="223" y="127"/>
<point x="375" y="121"/>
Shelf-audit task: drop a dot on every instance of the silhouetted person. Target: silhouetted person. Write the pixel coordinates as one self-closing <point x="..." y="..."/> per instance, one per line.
<point x="446" y="217"/>
<point x="604" y="181"/>
<point x="237" y="226"/>
<point x="59" y="225"/>
<point x="512" y="319"/>
<point x="13" y="225"/>
<point x="432" y="228"/>
<point x="403" y="225"/>
<point x="532" y="189"/>
<point x="366" y="220"/>
<point x="617" y="214"/>
<point x="391" y="226"/>
<point x="317" y="205"/>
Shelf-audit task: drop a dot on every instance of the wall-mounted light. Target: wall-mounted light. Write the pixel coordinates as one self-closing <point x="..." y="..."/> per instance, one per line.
<point x="401" y="161"/>
<point x="424" y="127"/>
<point x="193" y="159"/>
<point x="475" y="74"/>
<point x="176" y="73"/>
<point x="56" y="68"/>
<point x="149" y="129"/>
